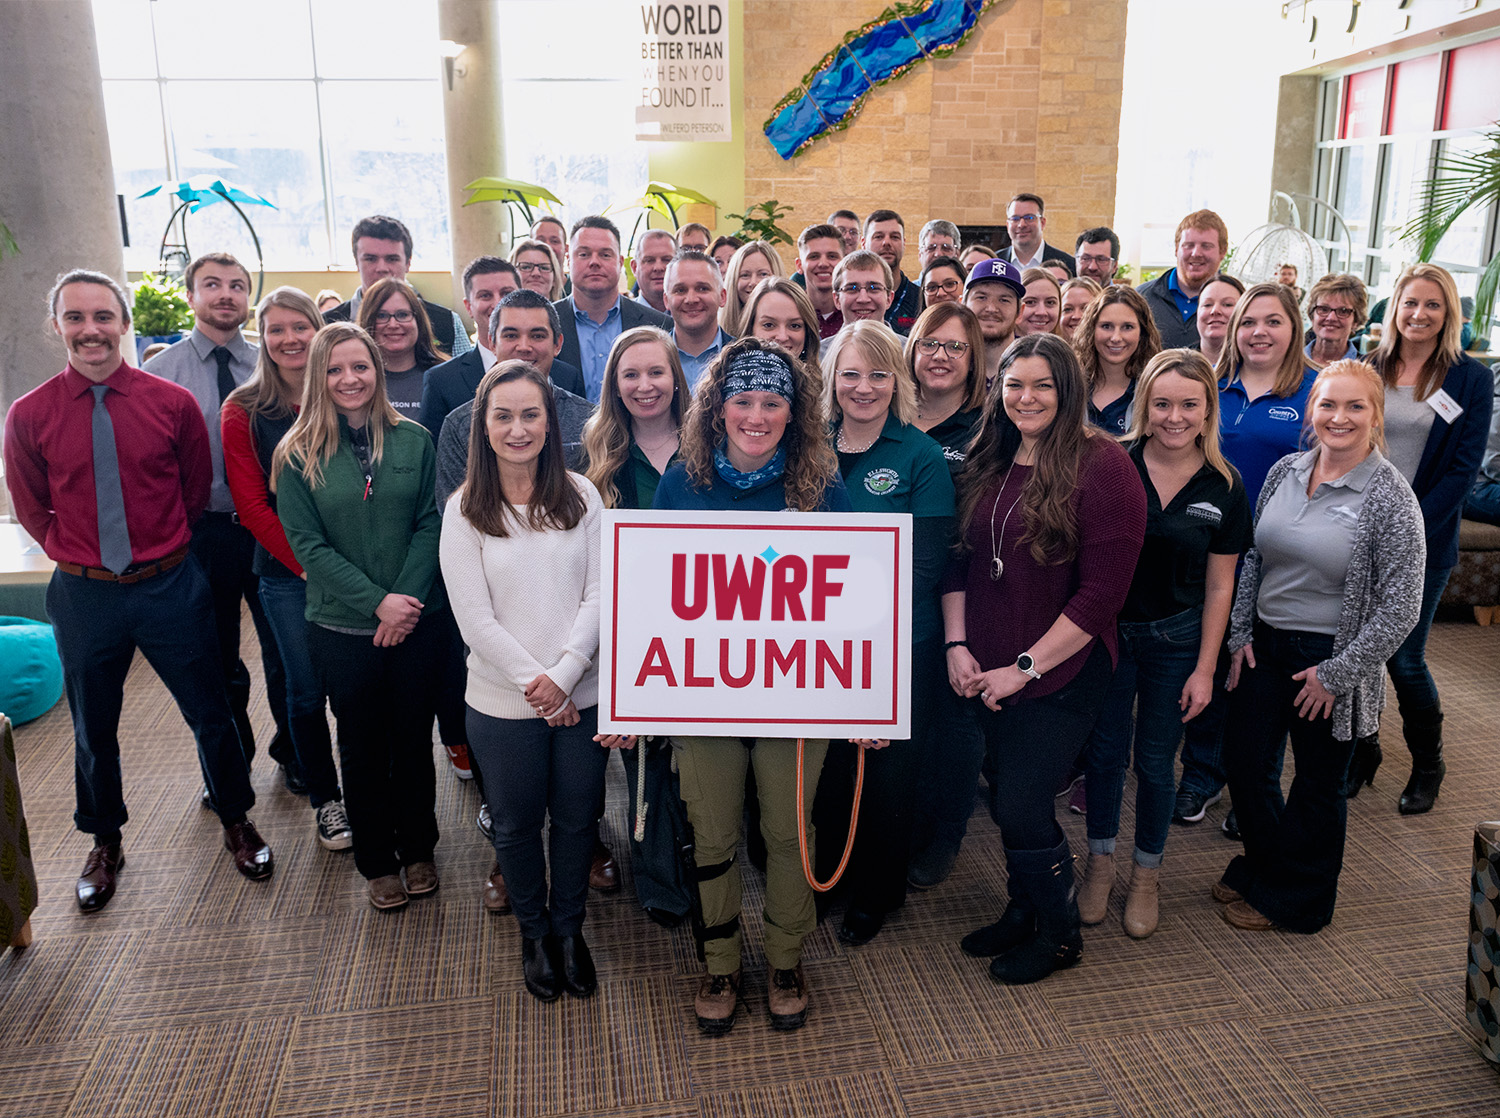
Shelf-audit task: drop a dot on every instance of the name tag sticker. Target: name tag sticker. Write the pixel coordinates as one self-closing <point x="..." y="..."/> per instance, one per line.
<point x="1445" y="406"/>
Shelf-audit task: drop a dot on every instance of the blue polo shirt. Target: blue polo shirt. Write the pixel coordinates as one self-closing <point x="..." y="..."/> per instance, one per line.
<point x="1255" y="434"/>
<point x="1188" y="307"/>
<point x="1114" y="416"/>
<point x="594" y="343"/>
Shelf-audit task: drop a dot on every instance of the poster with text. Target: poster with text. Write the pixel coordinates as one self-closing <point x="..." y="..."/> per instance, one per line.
<point x="751" y="624"/>
<point x="684" y="72"/>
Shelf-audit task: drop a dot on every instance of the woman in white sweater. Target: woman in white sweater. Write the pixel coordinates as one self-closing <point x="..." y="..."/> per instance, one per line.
<point x="520" y="555"/>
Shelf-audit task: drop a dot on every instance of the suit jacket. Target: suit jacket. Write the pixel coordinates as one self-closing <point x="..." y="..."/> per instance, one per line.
<point x="1049" y="252"/>
<point x="446" y="386"/>
<point x="632" y="314"/>
<point x="440" y="316"/>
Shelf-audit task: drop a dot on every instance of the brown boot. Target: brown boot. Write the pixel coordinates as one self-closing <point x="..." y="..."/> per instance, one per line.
<point x="1093" y="894"/>
<point x="718" y="998"/>
<point x="496" y="897"/>
<point x="1141" y="912"/>
<point x="787" y="999"/>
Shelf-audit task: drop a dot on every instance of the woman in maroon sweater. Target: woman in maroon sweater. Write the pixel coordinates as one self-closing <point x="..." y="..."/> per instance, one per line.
<point x="1052" y="515"/>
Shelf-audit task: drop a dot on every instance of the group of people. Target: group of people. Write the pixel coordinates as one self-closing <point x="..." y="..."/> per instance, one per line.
<point x="1139" y="516"/>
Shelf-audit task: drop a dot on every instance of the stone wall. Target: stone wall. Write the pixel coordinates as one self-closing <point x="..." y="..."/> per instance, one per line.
<point x="1031" y="102"/>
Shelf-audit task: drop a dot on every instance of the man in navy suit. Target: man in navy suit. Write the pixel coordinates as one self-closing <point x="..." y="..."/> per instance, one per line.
<point x="595" y="314"/>
<point x="487" y="280"/>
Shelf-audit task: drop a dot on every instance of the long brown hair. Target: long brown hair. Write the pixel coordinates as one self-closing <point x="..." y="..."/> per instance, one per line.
<point x="1190" y="365"/>
<point x="1047" y="499"/>
<point x="1293" y="363"/>
<point x="933" y="318"/>
<point x="555" y="501"/>
<point x="1146" y="348"/>
<point x="1387" y="356"/>
<point x="811" y="463"/>
<point x="267" y="392"/>
<point x="374" y="298"/>
<point x="608" y="433"/>
<point x="812" y="341"/>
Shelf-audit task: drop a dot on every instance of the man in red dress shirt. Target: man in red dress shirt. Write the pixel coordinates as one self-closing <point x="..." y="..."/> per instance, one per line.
<point x="108" y="467"/>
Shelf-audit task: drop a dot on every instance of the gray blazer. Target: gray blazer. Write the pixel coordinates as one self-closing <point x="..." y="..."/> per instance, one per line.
<point x="1382" y="595"/>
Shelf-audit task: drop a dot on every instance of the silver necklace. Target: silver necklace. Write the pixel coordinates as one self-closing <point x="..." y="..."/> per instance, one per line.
<point x="997" y="565"/>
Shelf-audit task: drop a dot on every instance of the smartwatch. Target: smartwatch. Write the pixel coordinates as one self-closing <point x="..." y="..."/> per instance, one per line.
<point x="1027" y="665"/>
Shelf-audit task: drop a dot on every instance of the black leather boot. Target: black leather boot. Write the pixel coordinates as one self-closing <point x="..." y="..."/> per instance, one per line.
<point x="1058" y="942"/>
<point x="1362" y="766"/>
<point x="1016" y="925"/>
<point x="1424" y="737"/>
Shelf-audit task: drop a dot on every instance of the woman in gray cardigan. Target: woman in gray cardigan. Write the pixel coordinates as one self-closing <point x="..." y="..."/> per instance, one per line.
<point x="1327" y="594"/>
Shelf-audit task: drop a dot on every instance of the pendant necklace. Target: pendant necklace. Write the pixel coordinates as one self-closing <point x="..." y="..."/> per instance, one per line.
<point x="997" y="565"/>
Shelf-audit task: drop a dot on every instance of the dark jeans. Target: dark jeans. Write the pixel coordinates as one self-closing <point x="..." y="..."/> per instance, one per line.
<point x="1415" y="689"/>
<point x="284" y="602"/>
<point x="1156" y="659"/>
<point x="98" y="626"/>
<point x="1293" y="850"/>
<point x="226" y="552"/>
<point x="382" y="699"/>
<point x="1030" y="745"/>
<point x="947" y="780"/>
<point x="540" y="771"/>
<point x="1203" y="739"/>
<point x="1484" y="501"/>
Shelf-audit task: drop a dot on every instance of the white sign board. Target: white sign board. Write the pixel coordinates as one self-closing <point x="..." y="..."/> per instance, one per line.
<point x="683" y="65"/>
<point x="756" y="624"/>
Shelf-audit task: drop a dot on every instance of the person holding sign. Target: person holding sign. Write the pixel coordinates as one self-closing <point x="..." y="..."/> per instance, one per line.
<point x="1437" y="419"/>
<point x="755" y="438"/>
<point x="888" y="466"/>
<point x="522" y="520"/>
<point x="1052" y="515"/>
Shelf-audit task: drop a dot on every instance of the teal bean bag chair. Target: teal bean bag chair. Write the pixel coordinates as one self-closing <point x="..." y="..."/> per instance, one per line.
<point x="31" y="678"/>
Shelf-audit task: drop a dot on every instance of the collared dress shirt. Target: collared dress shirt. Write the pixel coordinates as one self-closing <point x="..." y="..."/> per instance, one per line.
<point x="594" y="343"/>
<point x="191" y="364"/>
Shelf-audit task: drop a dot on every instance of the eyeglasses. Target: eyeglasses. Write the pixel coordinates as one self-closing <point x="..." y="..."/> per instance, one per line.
<point x="1321" y="311"/>
<point x="1024" y="219"/>
<point x="851" y="377"/>
<point x="532" y="269"/>
<point x="874" y="287"/>
<point x="940" y="248"/>
<point x="930" y="346"/>
<point x="948" y="285"/>
<point x="1099" y="261"/>
<point x="403" y="317"/>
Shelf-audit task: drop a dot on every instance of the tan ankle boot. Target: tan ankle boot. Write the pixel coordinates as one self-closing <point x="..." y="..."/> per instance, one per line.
<point x="1141" y="912"/>
<point x="1093" y="895"/>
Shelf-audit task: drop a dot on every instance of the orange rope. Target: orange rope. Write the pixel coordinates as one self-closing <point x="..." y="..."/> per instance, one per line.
<point x="859" y="784"/>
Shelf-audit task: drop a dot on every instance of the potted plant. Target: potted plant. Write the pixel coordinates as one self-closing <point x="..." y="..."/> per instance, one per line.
<point x="759" y="223"/>
<point x="161" y="312"/>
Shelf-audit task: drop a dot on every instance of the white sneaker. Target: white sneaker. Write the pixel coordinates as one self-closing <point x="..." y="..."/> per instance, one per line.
<point x="333" y="826"/>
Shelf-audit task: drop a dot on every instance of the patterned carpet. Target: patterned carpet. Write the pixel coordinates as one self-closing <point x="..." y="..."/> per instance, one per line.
<point x="197" y="993"/>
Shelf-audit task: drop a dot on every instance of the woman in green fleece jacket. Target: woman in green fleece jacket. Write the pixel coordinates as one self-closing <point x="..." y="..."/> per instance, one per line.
<point x="354" y="484"/>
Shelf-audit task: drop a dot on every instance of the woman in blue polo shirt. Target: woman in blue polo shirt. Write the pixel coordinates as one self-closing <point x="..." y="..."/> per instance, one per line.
<point x="1437" y="419"/>
<point x="888" y="466"/>
<point x="1171" y="627"/>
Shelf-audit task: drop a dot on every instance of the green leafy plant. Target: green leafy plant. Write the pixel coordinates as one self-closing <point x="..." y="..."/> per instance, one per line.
<point x="759" y="223"/>
<point x="7" y="242"/>
<point x="1463" y="182"/>
<point x="161" y="307"/>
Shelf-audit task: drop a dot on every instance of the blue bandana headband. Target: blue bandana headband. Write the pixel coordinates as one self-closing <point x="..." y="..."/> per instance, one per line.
<point x="759" y="370"/>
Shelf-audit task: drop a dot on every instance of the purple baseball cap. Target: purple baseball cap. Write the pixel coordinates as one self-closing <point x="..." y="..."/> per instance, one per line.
<point x="993" y="269"/>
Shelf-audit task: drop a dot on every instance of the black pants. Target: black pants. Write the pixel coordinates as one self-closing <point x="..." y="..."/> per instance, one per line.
<point x="1293" y="850"/>
<point x="226" y="552"/>
<point x="1031" y="745"/>
<point x="382" y="699"/>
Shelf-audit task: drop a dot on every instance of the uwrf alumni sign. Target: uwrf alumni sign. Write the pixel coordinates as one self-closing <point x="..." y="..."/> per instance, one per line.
<point x="756" y="624"/>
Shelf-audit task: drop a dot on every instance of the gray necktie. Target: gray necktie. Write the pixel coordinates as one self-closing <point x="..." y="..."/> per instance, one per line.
<point x="114" y="535"/>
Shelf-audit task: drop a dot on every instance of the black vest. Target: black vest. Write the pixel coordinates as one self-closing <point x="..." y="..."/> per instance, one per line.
<point x="265" y="432"/>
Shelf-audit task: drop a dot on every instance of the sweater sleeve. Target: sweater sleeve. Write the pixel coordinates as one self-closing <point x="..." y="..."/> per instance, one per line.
<point x="452" y="456"/>
<point x="247" y="485"/>
<point x="1111" y="530"/>
<point x="326" y="568"/>
<point x="462" y="552"/>
<point x="583" y="638"/>
<point x="421" y="565"/>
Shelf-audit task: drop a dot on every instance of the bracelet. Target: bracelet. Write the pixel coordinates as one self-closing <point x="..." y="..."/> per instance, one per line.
<point x="955" y="644"/>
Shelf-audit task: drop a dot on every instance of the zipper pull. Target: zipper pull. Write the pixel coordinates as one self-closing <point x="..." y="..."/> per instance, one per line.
<point x="369" y="480"/>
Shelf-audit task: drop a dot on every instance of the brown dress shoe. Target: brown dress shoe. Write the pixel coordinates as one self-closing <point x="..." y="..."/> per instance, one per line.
<point x="252" y="856"/>
<point x="718" y="998"/>
<point x="1241" y="914"/>
<point x="1223" y="893"/>
<point x="421" y="879"/>
<point x="604" y="873"/>
<point x="787" y="999"/>
<point x="96" y="885"/>
<point x="496" y="897"/>
<point x="387" y="892"/>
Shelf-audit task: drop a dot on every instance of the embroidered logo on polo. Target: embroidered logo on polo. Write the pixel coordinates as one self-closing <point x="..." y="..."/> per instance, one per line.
<point x="1290" y="415"/>
<point x="881" y="482"/>
<point x="1203" y="510"/>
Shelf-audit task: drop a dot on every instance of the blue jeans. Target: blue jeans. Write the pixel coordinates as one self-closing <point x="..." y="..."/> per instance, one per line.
<point x="1484" y="501"/>
<point x="1415" y="689"/>
<point x="284" y="601"/>
<point x="1156" y="658"/>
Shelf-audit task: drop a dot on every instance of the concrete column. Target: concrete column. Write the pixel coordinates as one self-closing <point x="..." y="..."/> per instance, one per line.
<point x="57" y="190"/>
<point x="1294" y="160"/>
<point x="475" y="130"/>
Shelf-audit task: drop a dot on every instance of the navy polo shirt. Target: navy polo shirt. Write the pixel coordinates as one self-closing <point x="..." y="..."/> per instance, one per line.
<point x="1114" y="416"/>
<point x="1256" y="434"/>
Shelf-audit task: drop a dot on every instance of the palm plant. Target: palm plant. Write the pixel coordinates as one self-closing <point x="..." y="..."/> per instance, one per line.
<point x="1462" y="182"/>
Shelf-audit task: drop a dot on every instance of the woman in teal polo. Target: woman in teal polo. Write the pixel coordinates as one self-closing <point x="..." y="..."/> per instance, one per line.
<point x="888" y="465"/>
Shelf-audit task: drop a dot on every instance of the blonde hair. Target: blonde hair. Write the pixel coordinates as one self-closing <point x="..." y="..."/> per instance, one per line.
<point x="879" y="345"/>
<point x="1374" y="386"/>
<point x="1293" y="363"/>
<point x="267" y="392"/>
<point x="314" y="436"/>
<point x="531" y="245"/>
<point x="1190" y="365"/>
<point x="731" y="315"/>
<point x="812" y="340"/>
<point x="1387" y="356"/>
<point x="608" y="433"/>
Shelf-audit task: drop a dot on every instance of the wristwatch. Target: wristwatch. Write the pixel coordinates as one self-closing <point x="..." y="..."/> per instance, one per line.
<point x="1027" y="665"/>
